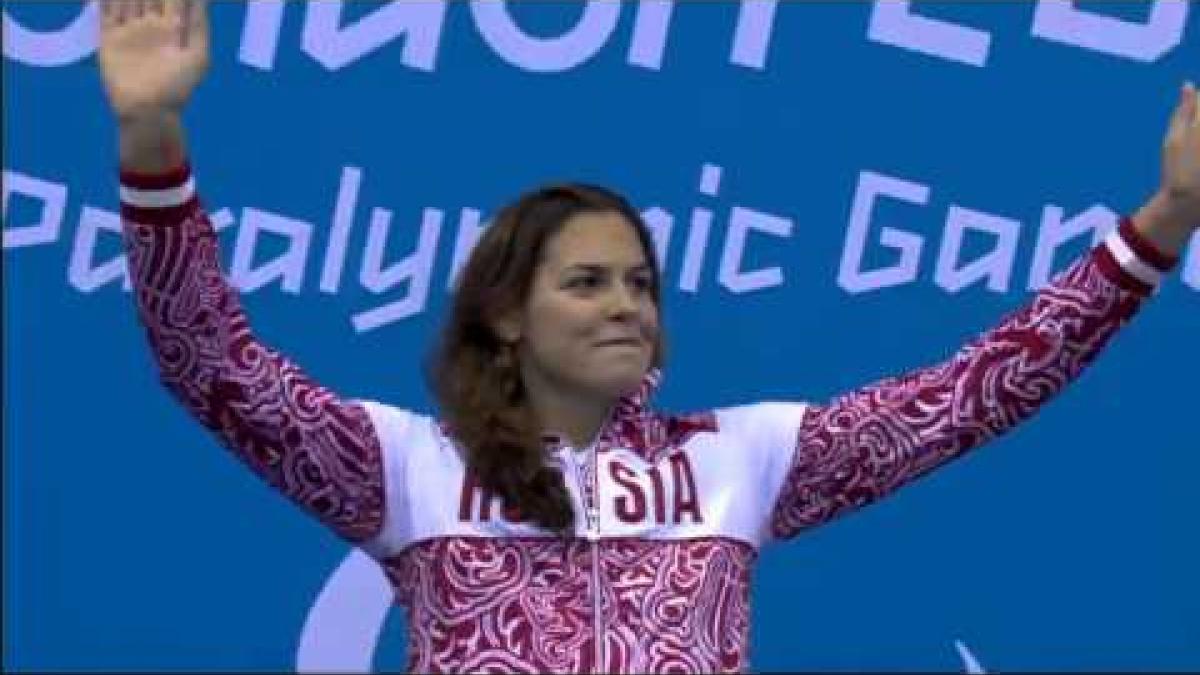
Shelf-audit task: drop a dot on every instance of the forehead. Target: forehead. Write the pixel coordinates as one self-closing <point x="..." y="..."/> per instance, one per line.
<point x="600" y="238"/>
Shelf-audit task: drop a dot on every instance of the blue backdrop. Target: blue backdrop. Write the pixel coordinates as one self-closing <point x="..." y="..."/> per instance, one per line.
<point x="883" y="181"/>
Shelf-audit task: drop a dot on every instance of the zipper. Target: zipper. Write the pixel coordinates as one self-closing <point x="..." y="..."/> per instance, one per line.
<point x="591" y="509"/>
<point x="588" y="490"/>
<point x="594" y="515"/>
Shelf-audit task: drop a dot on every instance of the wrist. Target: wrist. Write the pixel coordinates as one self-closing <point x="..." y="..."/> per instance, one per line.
<point x="150" y="141"/>
<point x="1167" y="222"/>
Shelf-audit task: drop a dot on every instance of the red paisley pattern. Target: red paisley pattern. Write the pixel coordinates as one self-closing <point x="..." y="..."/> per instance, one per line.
<point x="318" y="450"/>
<point x="525" y="604"/>
<point x="496" y="605"/>
<point x="676" y="606"/>
<point x="867" y="443"/>
<point x="521" y="604"/>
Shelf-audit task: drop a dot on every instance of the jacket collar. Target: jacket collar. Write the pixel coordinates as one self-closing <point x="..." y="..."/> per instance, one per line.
<point x="633" y="425"/>
<point x="626" y="420"/>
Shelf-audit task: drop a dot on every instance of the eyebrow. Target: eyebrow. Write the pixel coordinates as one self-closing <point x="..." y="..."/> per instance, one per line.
<point x="597" y="267"/>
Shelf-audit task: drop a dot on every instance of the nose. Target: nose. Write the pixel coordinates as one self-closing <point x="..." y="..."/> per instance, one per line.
<point x="621" y="301"/>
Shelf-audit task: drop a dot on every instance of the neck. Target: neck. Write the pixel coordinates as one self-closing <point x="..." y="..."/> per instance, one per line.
<point x="577" y="418"/>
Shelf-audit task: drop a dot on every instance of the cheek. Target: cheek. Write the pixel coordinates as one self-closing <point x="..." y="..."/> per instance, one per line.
<point x="649" y="317"/>
<point x="554" y="324"/>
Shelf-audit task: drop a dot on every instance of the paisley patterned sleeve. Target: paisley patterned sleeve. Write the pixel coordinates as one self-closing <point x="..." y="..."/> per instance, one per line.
<point x="320" y="451"/>
<point x="865" y="444"/>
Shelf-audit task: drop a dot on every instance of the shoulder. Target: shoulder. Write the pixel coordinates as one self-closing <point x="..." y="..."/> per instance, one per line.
<point x="388" y="419"/>
<point x="761" y="420"/>
<point x="405" y="431"/>
<point x="750" y="427"/>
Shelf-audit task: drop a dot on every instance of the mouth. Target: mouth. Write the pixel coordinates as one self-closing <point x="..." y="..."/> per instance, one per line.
<point x="620" y="342"/>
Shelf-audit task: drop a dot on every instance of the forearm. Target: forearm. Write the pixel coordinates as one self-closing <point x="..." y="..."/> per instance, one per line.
<point x="318" y="449"/>
<point x="184" y="302"/>
<point x="868" y="443"/>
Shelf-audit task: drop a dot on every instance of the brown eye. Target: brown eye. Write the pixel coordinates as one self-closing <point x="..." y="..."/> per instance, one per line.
<point x="585" y="282"/>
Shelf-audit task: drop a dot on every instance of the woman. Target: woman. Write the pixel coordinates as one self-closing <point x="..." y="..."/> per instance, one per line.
<point x="550" y="520"/>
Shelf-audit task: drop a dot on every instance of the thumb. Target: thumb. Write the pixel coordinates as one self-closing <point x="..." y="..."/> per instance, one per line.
<point x="1186" y="112"/>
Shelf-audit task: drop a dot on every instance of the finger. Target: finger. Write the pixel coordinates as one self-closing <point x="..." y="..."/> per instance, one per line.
<point x="185" y="21"/>
<point x="1193" y="105"/>
<point x="199" y="11"/>
<point x="108" y="13"/>
<point x="194" y="22"/>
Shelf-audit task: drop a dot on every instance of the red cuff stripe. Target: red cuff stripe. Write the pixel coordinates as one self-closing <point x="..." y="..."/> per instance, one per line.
<point x="159" y="180"/>
<point x="1143" y="248"/>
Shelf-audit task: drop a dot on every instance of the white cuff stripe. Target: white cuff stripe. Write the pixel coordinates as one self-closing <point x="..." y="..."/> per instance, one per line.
<point x="1129" y="261"/>
<point x="157" y="199"/>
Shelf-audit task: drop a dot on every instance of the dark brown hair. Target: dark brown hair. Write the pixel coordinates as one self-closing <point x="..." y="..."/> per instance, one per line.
<point x="476" y="377"/>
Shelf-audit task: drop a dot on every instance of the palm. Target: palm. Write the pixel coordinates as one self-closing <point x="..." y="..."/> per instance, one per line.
<point x="152" y="59"/>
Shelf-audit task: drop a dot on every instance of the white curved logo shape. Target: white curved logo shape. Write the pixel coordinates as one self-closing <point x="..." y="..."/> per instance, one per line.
<point x="60" y="47"/>
<point x="971" y="664"/>
<point x="343" y="625"/>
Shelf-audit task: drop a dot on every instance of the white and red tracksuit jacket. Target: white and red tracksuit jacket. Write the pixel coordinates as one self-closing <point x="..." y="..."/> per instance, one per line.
<point x="671" y="510"/>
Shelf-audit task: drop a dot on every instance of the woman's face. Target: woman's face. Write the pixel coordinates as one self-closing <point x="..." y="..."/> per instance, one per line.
<point x="590" y="324"/>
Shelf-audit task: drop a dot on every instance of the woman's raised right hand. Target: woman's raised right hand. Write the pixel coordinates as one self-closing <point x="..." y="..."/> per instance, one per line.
<point x="152" y="54"/>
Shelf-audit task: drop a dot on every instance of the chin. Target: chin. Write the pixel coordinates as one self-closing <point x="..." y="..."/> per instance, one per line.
<point x="618" y="381"/>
